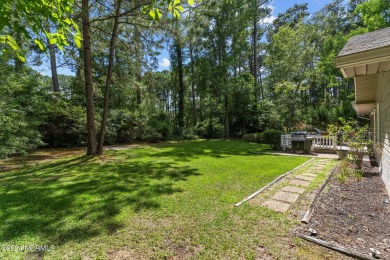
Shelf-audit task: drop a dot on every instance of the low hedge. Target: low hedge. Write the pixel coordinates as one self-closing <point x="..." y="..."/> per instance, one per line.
<point x="253" y="137"/>
<point x="271" y="137"/>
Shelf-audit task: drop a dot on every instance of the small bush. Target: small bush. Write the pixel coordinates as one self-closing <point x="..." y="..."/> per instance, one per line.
<point x="344" y="171"/>
<point x="210" y="128"/>
<point x="358" y="174"/>
<point x="188" y="134"/>
<point x="64" y="124"/>
<point x="272" y="137"/>
<point x="254" y="137"/>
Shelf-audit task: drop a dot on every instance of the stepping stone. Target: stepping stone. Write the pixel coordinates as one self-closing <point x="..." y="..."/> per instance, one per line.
<point x="293" y="189"/>
<point x="286" y="196"/>
<point x="305" y="178"/>
<point x="309" y="175"/>
<point x="299" y="182"/>
<point x="276" y="205"/>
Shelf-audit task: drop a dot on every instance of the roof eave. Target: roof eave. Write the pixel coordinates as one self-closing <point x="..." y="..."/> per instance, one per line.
<point x="362" y="58"/>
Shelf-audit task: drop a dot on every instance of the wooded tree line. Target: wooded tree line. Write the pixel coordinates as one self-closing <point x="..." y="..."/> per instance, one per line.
<point x="231" y="72"/>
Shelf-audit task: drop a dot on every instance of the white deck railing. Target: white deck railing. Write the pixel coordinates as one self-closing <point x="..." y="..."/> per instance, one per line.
<point x="324" y="142"/>
<point x="319" y="142"/>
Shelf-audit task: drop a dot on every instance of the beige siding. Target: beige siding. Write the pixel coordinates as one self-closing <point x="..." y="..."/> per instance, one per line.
<point x="365" y="88"/>
<point x="383" y="140"/>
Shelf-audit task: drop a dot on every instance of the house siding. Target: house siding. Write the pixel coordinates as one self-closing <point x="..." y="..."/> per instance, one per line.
<point x="382" y="148"/>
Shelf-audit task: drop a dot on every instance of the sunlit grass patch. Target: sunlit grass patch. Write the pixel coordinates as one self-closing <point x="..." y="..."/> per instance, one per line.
<point x="162" y="200"/>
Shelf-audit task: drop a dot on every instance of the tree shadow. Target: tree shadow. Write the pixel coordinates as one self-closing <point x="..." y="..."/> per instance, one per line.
<point x="78" y="198"/>
<point x="186" y="151"/>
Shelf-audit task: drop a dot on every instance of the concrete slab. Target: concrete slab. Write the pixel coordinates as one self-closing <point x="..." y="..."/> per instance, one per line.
<point x="285" y="196"/>
<point x="276" y="205"/>
<point x="305" y="178"/>
<point x="297" y="182"/>
<point x="293" y="189"/>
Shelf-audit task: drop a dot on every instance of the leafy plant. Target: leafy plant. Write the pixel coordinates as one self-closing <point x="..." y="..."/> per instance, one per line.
<point x="344" y="171"/>
<point x="254" y="137"/>
<point x="355" y="136"/>
<point x="272" y="137"/>
<point x="358" y="174"/>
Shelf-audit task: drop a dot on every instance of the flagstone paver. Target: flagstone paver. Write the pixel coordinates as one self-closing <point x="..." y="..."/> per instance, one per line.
<point x="297" y="182"/>
<point x="305" y="178"/>
<point x="293" y="189"/>
<point x="309" y="175"/>
<point x="289" y="190"/>
<point x="276" y="205"/>
<point x="285" y="196"/>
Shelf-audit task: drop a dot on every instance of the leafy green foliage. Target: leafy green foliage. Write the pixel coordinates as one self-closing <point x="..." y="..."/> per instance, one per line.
<point x="20" y="108"/>
<point x="344" y="171"/>
<point x="356" y="136"/>
<point x="175" y="8"/>
<point x="26" y="17"/>
<point x="254" y="137"/>
<point x="63" y="123"/>
<point x="210" y="128"/>
<point x="272" y="137"/>
<point x="375" y="14"/>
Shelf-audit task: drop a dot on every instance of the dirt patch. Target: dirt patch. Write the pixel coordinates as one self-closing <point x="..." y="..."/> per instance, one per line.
<point x="51" y="154"/>
<point x="355" y="214"/>
<point x="123" y="253"/>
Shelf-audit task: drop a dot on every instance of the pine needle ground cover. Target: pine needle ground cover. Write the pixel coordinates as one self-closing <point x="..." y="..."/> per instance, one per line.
<point x="170" y="200"/>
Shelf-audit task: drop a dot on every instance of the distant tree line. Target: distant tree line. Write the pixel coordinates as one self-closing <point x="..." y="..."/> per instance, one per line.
<point x="231" y="72"/>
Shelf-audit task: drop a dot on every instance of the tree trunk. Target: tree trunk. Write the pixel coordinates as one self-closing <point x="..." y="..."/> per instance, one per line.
<point x="261" y="87"/>
<point x="108" y="79"/>
<point x="193" y="87"/>
<point x="138" y="54"/>
<point x="227" y="131"/>
<point x="53" y="62"/>
<point x="53" y="67"/>
<point x="180" y="115"/>
<point x="255" y="45"/>
<point x="91" y="128"/>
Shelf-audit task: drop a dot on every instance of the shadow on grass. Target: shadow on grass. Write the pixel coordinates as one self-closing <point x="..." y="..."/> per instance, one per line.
<point x="76" y="199"/>
<point x="187" y="151"/>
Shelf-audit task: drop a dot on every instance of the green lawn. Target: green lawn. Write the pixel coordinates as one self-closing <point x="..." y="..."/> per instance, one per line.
<point x="165" y="200"/>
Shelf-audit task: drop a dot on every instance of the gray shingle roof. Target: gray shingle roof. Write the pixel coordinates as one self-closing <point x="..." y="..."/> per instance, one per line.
<point x="365" y="42"/>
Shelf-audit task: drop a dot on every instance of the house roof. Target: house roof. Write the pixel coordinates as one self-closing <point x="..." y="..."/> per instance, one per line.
<point x="365" y="54"/>
<point x="366" y="42"/>
<point x="363" y="57"/>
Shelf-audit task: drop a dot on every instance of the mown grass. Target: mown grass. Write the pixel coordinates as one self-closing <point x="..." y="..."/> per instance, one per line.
<point x="160" y="201"/>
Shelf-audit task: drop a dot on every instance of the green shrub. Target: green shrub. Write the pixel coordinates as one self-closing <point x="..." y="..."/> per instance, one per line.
<point x="20" y="106"/>
<point x="344" y="171"/>
<point x="253" y="137"/>
<point x="210" y="128"/>
<point x="63" y="123"/>
<point x="272" y="137"/>
<point x="126" y="126"/>
<point x="18" y="132"/>
<point x="188" y="134"/>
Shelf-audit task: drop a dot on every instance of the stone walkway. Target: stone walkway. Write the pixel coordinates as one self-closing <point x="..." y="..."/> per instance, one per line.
<point x="284" y="194"/>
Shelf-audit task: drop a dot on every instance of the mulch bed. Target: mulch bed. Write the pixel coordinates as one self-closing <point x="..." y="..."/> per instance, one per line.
<point x="355" y="214"/>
